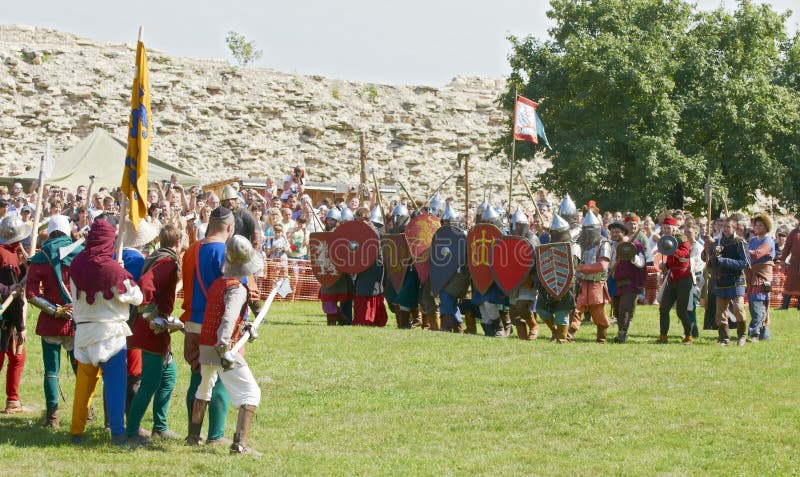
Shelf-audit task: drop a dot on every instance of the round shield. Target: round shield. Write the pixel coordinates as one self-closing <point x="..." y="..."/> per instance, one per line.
<point x="626" y="251"/>
<point x="667" y="245"/>
<point x="354" y="247"/>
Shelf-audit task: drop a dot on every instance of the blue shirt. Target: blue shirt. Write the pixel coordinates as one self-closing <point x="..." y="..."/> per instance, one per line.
<point x="209" y="264"/>
<point x="133" y="262"/>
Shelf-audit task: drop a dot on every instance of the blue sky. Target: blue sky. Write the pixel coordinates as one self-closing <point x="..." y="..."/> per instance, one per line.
<point x="409" y="42"/>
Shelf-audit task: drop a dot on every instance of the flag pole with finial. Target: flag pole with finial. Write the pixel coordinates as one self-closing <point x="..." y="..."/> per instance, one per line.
<point x="123" y="206"/>
<point x="513" y="153"/>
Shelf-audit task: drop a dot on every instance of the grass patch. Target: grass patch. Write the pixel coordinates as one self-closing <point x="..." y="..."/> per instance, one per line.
<point x="361" y="401"/>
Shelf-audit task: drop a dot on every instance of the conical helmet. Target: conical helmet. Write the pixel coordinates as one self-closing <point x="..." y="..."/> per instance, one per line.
<point x="567" y="207"/>
<point x="558" y="224"/>
<point x="449" y="213"/>
<point x="399" y="211"/>
<point x="376" y="216"/>
<point x="519" y="217"/>
<point x="590" y="220"/>
<point x="347" y="215"/>
<point x="228" y="192"/>
<point x="490" y="214"/>
<point x="437" y="204"/>
<point x="482" y="207"/>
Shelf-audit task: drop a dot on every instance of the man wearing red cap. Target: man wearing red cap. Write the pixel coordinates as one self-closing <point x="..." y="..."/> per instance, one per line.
<point x="678" y="288"/>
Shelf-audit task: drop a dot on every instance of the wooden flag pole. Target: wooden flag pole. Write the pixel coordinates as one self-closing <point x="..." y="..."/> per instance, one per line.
<point x="363" y="157"/>
<point x="37" y="212"/>
<point x="708" y="195"/>
<point x="466" y="190"/>
<point x="513" y="153"/>
<point x="123" y="205"/>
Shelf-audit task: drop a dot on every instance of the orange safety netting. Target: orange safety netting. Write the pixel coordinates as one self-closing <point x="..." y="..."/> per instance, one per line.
<point x="305" y="286"/>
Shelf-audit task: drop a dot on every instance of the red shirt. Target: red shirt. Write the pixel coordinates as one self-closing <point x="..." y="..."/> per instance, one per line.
<point x="42" y="282"/>
<point x="679" y="264"/>
<point x="158" y="286"/>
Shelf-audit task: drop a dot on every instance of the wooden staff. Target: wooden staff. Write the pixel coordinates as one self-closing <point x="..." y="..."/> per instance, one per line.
<point x="378" y="194"/>
<point x="37" y="211"/>
<point x="530" y="194"/>
<point x="708" y="199"/>
<point x="466" y="189"/>
<point x="362" y="141"/>
<point x="410" y="197"/>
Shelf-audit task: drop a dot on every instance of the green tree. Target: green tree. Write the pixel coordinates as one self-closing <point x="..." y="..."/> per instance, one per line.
<point x="243" y="51"/>
<point x="643" y="98"/>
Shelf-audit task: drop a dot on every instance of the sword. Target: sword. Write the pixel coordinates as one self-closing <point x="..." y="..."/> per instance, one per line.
<point x="261" y="315"/>
<point x="63" y="252"/>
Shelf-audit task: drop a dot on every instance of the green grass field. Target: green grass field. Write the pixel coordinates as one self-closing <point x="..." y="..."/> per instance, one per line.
<point x="362" y="401"/>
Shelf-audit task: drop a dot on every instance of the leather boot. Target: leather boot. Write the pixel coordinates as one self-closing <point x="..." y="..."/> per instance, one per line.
<point x="561" y="335"/>
<point x="430" y="321"/>
<point x="341" y="320"/>
<point x="403" y="318"/>
<point x="787" y="299"/>
<point x="551" y="324"/>
<point x="499" y="329"/>
<point x="470" y="324"/>
<point x="243" y="424"/>
<point x="416" y="320"/>
<point x="331" y="317"/>
<point x="458" y="328"/>
<point x="533" y="328"/>
<point x="724" y="337"/>
<point x="196" y="424"/>
<point x="571" y="333"/>
<point x="508" y="328"/>
<point x="437" y="320"/>
<point x="601" y="334"/>
<point x="741" y="331"/>
<point x="51" y="418"/>
<point x="522" y="331"/>
<point x="448" y="321"/>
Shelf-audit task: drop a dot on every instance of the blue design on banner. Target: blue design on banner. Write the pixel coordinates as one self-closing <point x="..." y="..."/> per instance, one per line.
<point x="139" y="114"/>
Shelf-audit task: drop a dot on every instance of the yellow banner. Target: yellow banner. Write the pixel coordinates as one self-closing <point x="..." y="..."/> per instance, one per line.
<point x="134" y="177"/>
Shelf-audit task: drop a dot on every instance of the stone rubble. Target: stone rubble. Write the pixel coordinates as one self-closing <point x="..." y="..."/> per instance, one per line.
<point x="218" y="122"/>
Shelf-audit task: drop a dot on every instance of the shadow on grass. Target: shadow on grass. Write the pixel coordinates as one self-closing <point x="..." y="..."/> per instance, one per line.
<point x="25" y="430"/>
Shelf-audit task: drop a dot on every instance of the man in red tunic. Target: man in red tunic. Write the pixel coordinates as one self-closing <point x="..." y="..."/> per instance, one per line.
<point x="223" y="324"/>
<point x="151" y="335"/>
<point x="791" y="267"/>
<point x="678" y="289"/>
<point x="47" y="288"/>
<point x="12" y="324"/>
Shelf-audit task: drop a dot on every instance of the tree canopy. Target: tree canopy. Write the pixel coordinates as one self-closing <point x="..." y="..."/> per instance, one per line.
<point x="642" y="100"/>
